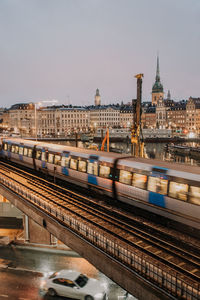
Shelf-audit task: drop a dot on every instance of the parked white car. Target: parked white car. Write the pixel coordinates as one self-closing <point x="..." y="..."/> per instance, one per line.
<point x="73" y="284"/>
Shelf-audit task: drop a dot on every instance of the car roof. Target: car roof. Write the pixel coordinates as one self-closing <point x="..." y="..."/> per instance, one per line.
<point x="68" y="274"/>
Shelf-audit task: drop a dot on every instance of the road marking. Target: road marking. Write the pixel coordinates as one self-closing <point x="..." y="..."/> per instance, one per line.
<point x="5" y="296"/>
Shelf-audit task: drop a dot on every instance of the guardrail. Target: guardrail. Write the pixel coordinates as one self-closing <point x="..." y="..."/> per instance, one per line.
<point x="171" y="283"/>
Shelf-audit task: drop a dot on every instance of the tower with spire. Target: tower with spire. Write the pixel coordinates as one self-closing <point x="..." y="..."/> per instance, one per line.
<point x="97" y="99"/>
<point x="157" y="89"/>
<point x="168" y="95"/>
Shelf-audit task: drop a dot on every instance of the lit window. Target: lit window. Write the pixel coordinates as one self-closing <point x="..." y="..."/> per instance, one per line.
<point x="51" y="158"/>
<point x="25" y="151"/>
<point x="43" y="156"/>
<point x="57" y="160"/>
<point x="38" y="154"/>
<point x="178" y="190"/>
<point x="16" y="149"/>
<point x="65" y="161"/>
<point x="21" y="150"/>
<point x="92" y="168"/>
<point x="195" y="195"/>
<point x="73" y="164"/>
<point x="30" y="152"/>
<point x="5" y="147"/>
<point x="157" y="185"/>
<point x="104" y="171"/>
<point x="125" y="177"/>
<point x="139" y="181"/>
<point x="82" y="165"/>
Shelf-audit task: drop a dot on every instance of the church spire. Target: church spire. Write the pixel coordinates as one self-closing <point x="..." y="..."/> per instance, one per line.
<point x="157" y="89"/>
<point x="158" y="70"/>
<point x="168" y="95"/>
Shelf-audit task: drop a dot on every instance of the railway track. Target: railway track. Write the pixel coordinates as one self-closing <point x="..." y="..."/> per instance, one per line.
<point x="115" y="222"/>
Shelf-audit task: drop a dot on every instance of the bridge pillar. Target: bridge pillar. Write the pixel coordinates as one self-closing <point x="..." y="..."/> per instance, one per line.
<point x="36" y="234"/>
<point x="26" y="228"/>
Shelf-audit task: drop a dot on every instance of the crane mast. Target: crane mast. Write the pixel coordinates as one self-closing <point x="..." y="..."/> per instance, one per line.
<point x="136" y="139"/>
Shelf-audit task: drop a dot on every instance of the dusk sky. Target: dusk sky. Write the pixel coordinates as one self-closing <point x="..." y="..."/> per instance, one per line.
<point x="65" y="49"/>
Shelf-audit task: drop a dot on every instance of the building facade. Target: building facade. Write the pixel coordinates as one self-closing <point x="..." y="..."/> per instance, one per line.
<point x="193" y="115"/>
<point x="62" y="121"/>
<point x="176" y="116"/>
<point x="20" y="118"/>
<point x="104" y="116"/>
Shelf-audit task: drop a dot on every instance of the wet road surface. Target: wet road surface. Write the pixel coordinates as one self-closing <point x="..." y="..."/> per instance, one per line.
<point x="22" y="271"/>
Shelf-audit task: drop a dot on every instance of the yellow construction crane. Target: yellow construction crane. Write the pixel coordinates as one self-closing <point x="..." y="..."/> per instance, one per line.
<point x="137" y="143"/>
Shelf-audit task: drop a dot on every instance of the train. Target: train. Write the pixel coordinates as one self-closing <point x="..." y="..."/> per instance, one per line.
<point x="166" y="189"/>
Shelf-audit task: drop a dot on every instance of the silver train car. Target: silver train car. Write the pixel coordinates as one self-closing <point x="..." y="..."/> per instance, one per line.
<point x="166" y="189"/>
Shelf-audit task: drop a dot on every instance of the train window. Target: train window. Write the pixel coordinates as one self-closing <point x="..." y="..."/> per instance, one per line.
<point x="92" y="168"/>
<point x="82" y="165"/>
<point x="21" y="150"/>
<point x="16" y="149"/>
<point x="43" y="157"/>
<point x="195" y="195"/>
<point x="57" y="160"/>
<point x="125" y="177"/>
<point x="178" y="190"/>
<point x="65" y="161"/>
<point x="51" y="158"/>
<point x="25" y="151"/>
<point x="104" y="171"/>
<point x="30" y="152"/>
<point x="5" y="147"/>
<point x="13" y="148"/>
<point x="38" y="154"/>
<point x="157" y="185"/>
<point x="9" y="147"/>
<point x="139" y="181"/>
<point x="73" y="163"/>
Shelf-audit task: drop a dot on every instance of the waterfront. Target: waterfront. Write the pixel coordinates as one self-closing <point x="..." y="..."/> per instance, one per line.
<point x="152" y="150"/>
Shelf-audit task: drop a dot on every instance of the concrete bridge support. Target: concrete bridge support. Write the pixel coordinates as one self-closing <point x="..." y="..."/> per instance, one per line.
<point x="36" y="234"/>
<point x="33" y="233"/>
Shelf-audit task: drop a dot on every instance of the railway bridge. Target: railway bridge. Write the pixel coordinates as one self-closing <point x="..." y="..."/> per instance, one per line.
<point x="143" y="264"/>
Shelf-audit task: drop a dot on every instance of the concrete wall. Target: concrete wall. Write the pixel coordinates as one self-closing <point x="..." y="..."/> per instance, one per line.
<point x="7" y="209"/>
<point x="37" y="233"/>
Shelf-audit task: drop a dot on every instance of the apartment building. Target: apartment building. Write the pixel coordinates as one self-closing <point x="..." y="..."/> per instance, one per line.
<point x="104" y="116"/>
<point x="193" y="115"/>
<point x="62" y="120"/>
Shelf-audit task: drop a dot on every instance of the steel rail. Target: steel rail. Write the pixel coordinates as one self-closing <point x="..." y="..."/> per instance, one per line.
<point x="123" y="226"/>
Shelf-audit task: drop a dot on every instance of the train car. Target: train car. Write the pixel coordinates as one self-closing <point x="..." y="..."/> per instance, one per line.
<point x="167" y="189"/>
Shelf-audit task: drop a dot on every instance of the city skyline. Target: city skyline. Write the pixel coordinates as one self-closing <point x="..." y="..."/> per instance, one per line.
<point x="66" y="51"/>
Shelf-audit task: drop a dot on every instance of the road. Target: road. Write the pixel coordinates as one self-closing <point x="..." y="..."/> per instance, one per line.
<point x="22" y="271"/>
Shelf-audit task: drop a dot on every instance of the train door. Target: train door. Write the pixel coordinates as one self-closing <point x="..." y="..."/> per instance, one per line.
<point x="65" y="163"/>
<point x="92" y="169"/>
<point x="21" y="152"/>
<point x="44" y="158"/>
<point x="9" y="150"/>
<point x="157" y="186"/>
